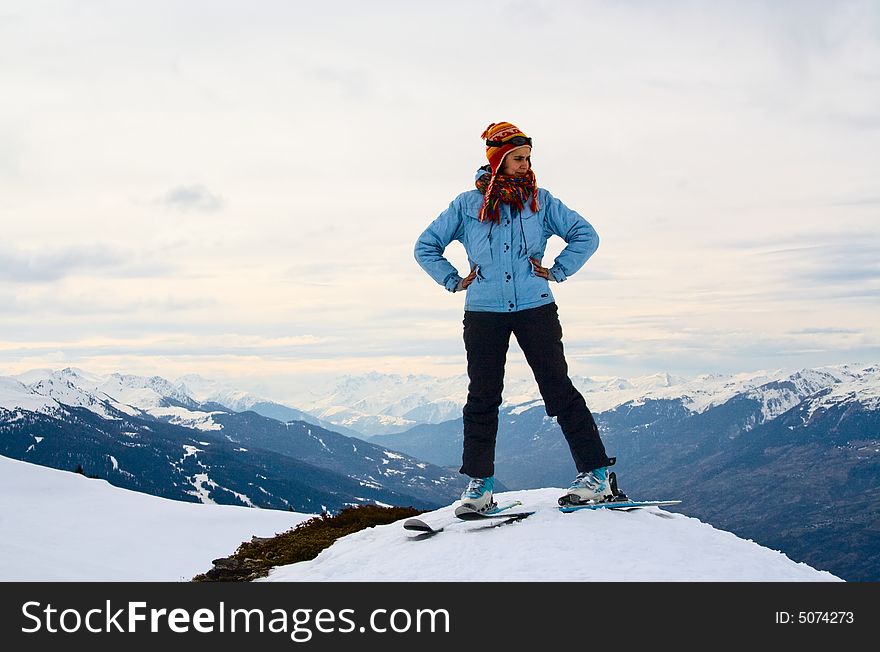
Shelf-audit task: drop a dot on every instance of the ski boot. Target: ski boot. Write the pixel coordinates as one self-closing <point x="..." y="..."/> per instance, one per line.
<point x="596" y="486"/>
<point x="478" y="495"/>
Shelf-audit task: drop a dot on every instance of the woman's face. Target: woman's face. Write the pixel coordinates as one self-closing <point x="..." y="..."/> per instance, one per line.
<point x="517" y="162"/>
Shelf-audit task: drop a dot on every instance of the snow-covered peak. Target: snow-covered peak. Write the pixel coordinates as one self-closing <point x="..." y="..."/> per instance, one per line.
<point x="859" y="383"/>
<point x="16" y="395"/>
<point x="43" y="390"/>
<point x="862" y="386"/>
<point x="144" y="392"/>
<point x="62" y="389"/>
<point x="657" y="545"/>
<point x="374" y="401"/>
<point x="77" y="387"/>
<point x="777" y="390"/>
<point x="388" y="394"/>
<point x="160" y="398"/>
<point x="206" y="390"/>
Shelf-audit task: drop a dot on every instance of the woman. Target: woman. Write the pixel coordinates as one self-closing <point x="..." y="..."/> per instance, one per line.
<point x="504" y="225"/>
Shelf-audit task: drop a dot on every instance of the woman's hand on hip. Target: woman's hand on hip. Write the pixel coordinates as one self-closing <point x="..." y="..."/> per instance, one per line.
<point x="543" y="272"/>
<point x="467" y="280"/>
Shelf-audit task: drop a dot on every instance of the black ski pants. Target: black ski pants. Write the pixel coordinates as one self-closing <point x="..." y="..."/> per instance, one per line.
<point x="539" y="335"/>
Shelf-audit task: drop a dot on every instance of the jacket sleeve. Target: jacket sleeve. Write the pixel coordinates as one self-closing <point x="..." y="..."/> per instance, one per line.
<point x="580" y="236"/>
<point x="432" y="243"/>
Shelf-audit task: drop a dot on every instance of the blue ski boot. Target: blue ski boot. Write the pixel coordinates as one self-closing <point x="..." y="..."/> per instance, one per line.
<point x="478" y="495"/>
<point x="594" y="486"/>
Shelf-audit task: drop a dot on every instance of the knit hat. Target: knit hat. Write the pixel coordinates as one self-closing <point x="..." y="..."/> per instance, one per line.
<point x="498" y="136"/>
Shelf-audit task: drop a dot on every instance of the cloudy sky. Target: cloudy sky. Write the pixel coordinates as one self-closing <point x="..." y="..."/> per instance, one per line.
<point x="234" y="188"/>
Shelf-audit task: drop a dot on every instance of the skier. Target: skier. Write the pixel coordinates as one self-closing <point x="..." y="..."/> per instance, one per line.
<point x="504" y="225"/>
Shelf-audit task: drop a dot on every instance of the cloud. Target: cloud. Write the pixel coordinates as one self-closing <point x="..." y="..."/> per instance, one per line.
<point x="171" y="344"/>
<point x="192" y="198"/>
<point x="20" y="266"/>
<point x="850" y="262"/>
<point x="815" y="265"/>
<point x="25" y="267"/>
<point x="826" y="331"/>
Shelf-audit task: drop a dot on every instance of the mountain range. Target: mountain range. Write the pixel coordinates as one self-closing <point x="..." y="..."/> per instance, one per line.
<point x="149" y="435"/>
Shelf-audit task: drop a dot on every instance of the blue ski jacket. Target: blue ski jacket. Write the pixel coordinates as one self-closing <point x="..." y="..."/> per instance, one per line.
<point x="500" y="252"/>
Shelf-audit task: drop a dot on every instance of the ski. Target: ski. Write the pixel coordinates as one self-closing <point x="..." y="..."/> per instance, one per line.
<point x="623" y="505"/>
<point x="477" y="516"/>
<point x="618" y="500"/>
<point x="465" y="513"/>
<point x="426" y="531"/>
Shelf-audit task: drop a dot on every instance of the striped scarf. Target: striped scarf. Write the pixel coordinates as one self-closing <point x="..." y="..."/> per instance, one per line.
<point x="498" y="188"/>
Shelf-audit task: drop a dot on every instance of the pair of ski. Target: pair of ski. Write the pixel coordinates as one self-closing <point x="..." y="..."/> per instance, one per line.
<point x="502" y="514"/>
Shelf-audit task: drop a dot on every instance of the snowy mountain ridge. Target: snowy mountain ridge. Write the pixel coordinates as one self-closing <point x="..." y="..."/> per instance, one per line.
<point x="362" y="402"/>
<point x="45" y="391"/>
<point x="377" y="403"/>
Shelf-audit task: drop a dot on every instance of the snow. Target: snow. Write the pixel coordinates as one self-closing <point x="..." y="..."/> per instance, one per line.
<point x="14" y="394"/>
<point x="863" y="389"/>
<point x="205" y="389"/>
<point x="183" y="417"/>
<point x="647" y="545"/>
<point x="61" y="526"/>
